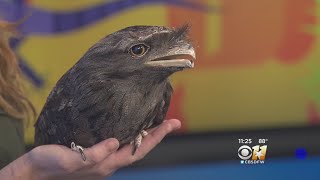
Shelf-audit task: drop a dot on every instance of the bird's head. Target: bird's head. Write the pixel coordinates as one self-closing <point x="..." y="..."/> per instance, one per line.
<point x="142" y="50"/>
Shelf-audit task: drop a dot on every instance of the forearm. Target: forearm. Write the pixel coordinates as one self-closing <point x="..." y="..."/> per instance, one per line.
<point x="21" y="168"/>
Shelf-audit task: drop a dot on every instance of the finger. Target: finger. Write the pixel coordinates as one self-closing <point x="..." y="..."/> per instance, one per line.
<point x="102" y="150"/>
<point x="123" y="157"/>
<point x="153" y="129"/>
<point x="155" y="137"/>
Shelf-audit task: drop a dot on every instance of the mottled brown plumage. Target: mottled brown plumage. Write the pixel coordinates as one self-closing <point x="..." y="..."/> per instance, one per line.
<point x="117" y="89"/>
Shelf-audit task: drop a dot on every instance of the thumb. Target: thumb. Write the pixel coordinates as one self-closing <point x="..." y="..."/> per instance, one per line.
<point x="102" y="150"/>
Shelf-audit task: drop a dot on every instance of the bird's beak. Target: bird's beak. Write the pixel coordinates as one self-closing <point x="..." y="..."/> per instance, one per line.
<point x="180" y="57"/>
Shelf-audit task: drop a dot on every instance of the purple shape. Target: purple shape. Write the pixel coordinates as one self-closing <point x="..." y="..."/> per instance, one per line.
<point x="65" y="22"/>
<point x="30" y="74"/>
<point x="92" y="14"/>
<point x="45" y="22"/>
<point x="39" y="22"/>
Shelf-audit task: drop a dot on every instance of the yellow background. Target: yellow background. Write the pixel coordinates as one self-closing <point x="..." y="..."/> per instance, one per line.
<point x="267" y="95"/>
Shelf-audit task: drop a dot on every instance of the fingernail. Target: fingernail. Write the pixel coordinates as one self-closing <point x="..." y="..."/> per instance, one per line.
<point x="177" y="126"/>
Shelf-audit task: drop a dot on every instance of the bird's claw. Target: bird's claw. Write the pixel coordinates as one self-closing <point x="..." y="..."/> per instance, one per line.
<point x="138" y="140"/>
<point x="79" y="149"/>
<point x="144" y="133"/>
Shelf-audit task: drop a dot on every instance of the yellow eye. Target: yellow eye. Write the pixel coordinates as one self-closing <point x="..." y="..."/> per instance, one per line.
<point x="138" y="50"/>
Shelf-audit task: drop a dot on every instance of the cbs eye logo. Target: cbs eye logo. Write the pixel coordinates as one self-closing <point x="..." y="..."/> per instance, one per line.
<point x="245" y="152"/>
<point x="256" y="152"/>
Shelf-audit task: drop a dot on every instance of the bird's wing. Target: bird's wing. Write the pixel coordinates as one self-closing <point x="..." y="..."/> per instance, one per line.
<point x="67" y="112"/>
<point x="163" y="106"/>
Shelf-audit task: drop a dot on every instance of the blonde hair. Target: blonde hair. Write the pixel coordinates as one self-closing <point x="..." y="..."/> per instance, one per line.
<point x="12" y="98"/>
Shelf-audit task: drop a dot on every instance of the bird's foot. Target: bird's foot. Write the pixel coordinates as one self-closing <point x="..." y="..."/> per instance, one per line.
<point x="144" y="133"/>
<point x="78" y="149"/>
<point x="138" y="140"/>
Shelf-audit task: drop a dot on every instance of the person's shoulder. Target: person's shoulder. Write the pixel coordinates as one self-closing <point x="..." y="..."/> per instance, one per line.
<point x="11" y="138"/>
<point x="4" y="115"/>
<point x="2" y="112"/>
<point x="8" y="122"/>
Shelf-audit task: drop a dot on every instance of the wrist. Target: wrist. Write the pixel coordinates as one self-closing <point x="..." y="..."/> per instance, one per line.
<point x="27" y="171"/>
<point x="24" y="168"/>
<point x="21" y="168"/>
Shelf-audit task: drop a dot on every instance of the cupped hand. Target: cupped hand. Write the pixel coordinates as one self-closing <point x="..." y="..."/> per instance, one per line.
<point x="103" y="159"/>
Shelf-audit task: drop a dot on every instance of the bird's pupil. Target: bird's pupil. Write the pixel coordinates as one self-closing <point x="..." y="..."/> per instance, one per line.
<point x="137" y="49"/>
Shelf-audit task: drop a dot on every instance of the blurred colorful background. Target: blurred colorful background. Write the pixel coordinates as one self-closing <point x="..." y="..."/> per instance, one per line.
<point x="256" y="60"/>
<point x="256" y="68"/>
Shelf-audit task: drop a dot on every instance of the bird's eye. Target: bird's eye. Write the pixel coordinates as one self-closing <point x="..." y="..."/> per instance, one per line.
<point x="138" y="50"/>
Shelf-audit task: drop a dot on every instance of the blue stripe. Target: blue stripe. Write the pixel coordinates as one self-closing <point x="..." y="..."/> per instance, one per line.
<point x="277" y="169"/>
<point x="45" y="22"/>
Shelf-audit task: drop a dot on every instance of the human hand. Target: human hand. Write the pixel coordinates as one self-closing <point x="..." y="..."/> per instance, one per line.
<point x="103" y="159"/>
